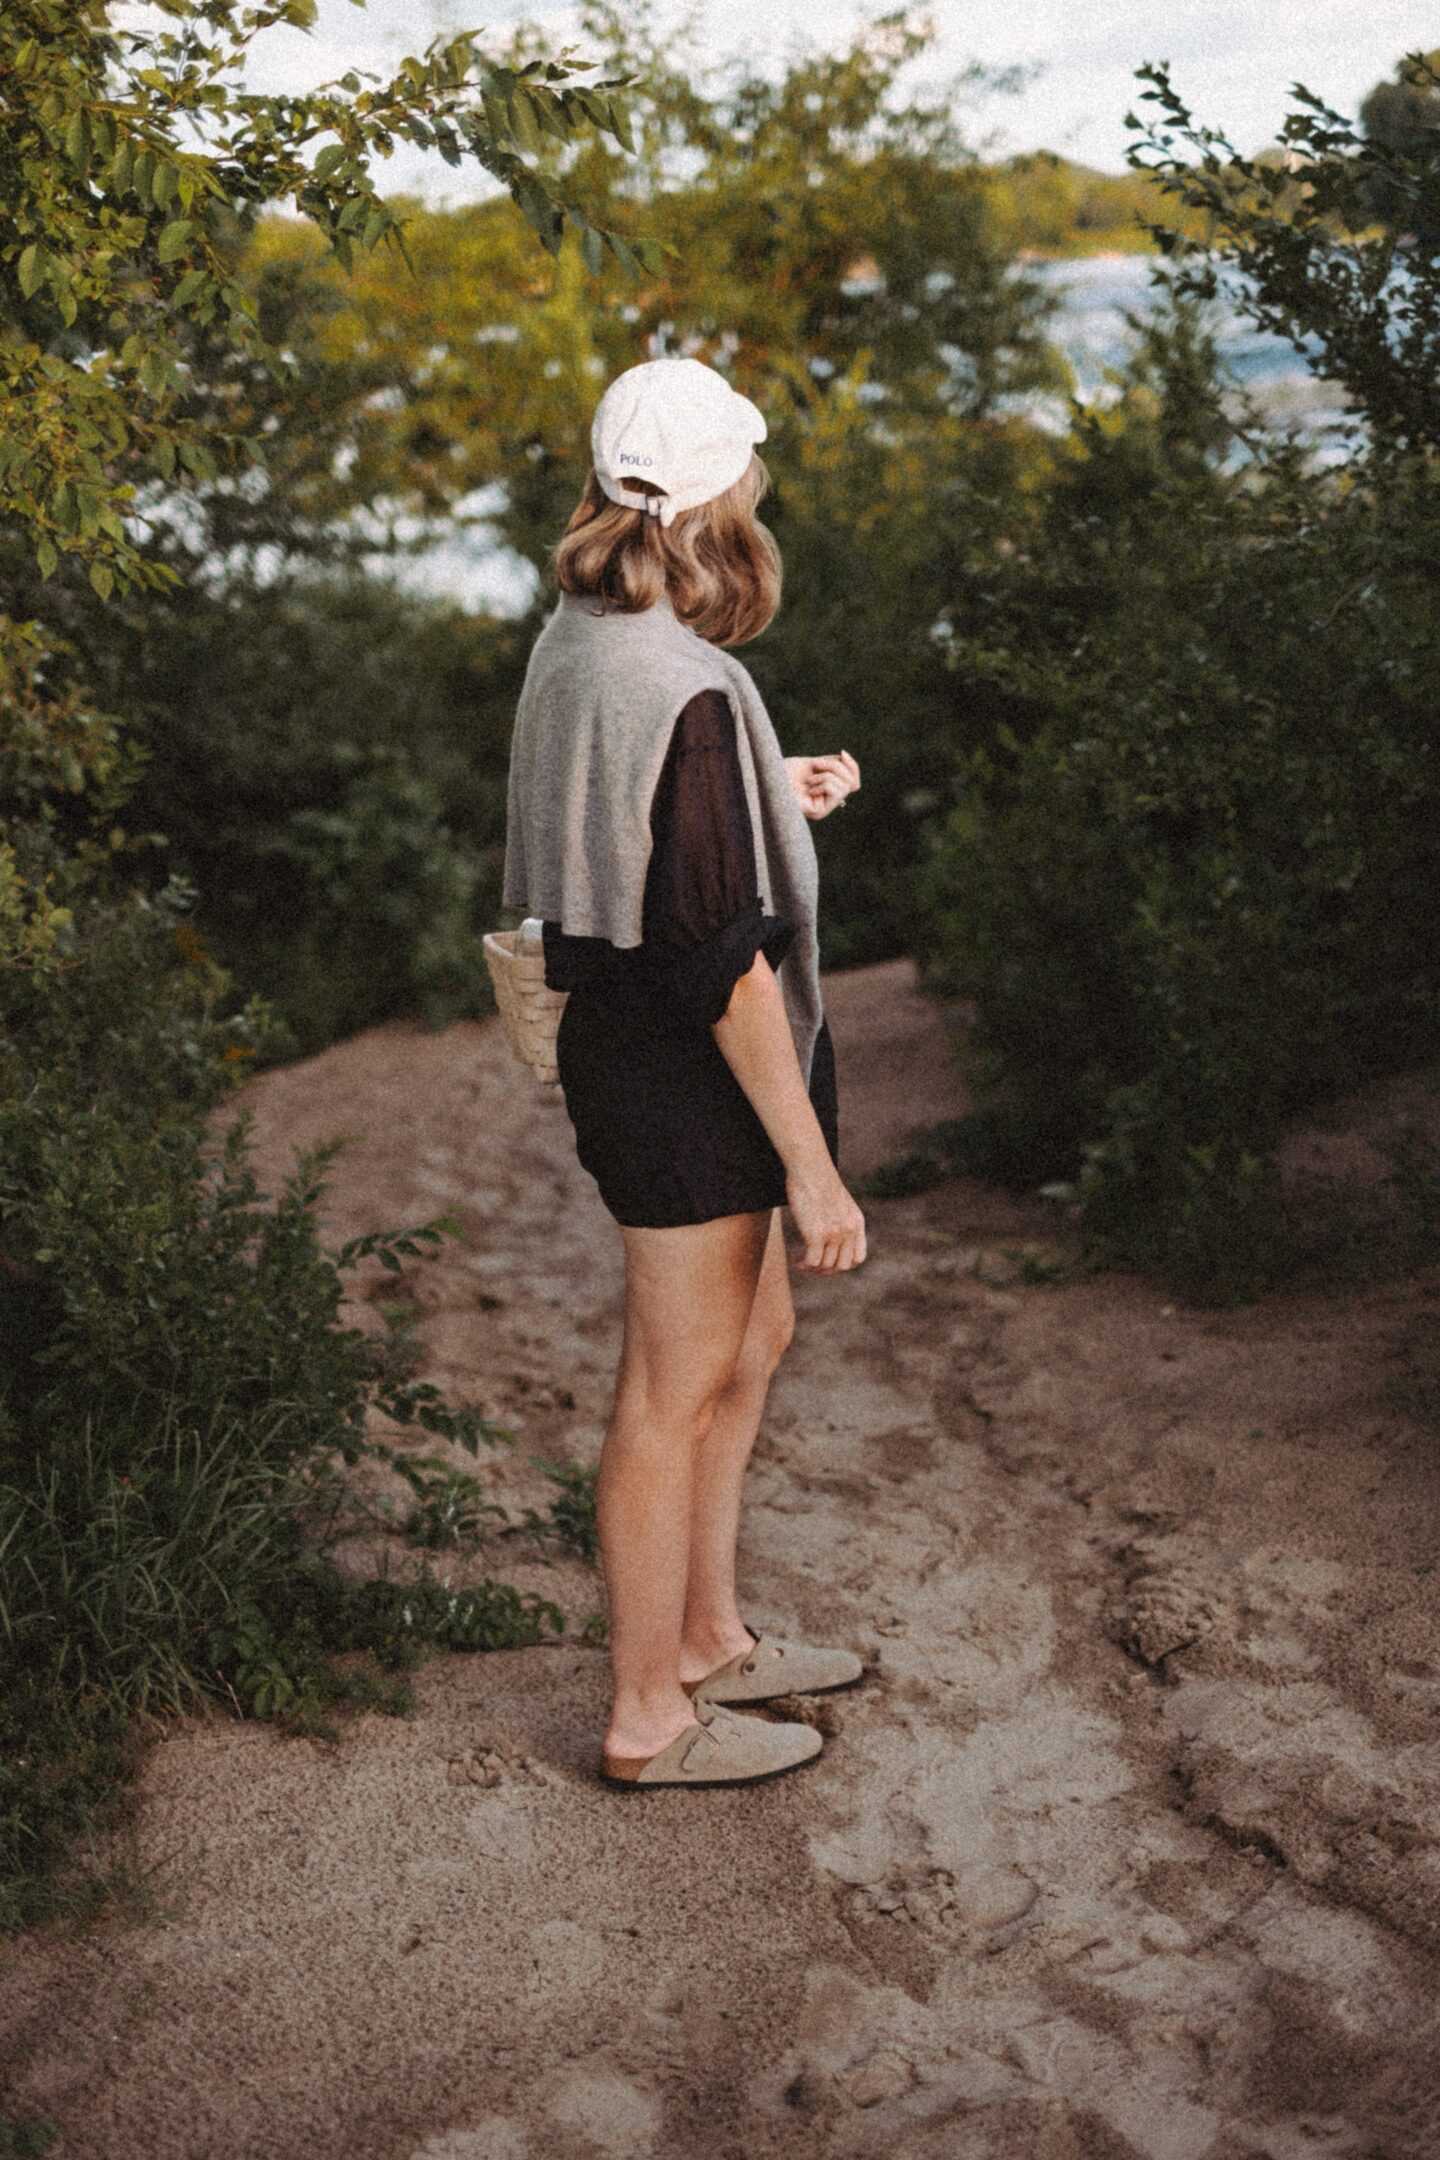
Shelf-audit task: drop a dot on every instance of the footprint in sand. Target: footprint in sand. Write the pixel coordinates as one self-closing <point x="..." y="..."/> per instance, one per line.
<point x="591" y="2097"/>
<point x="1167" y="1603"/>
<point x="499" y="1832"/>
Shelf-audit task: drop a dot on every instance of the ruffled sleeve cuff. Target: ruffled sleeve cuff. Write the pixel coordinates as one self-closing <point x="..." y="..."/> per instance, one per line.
<point x="697" y="980"/>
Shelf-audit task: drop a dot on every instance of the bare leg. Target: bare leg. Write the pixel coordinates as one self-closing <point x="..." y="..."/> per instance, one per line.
<point x="713" y="1630"/>
<point x="688" y="1294"/>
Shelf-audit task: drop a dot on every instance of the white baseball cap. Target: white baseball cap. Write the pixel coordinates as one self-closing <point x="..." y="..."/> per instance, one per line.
<point x="677" y="423"/>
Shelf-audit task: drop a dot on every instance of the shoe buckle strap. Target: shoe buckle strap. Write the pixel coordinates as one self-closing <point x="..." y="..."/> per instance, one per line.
<point x="752" y="1663"/>
<point x="716" y="1723"/>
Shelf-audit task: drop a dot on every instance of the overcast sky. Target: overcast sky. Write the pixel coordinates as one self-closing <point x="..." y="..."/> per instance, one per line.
<point x="1232" y="60"/>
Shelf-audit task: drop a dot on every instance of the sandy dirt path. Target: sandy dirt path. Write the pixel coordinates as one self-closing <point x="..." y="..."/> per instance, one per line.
<point x="1127" y="1848"/>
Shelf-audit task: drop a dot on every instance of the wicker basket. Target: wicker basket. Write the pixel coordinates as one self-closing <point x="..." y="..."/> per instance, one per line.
<point x="529" y="1010"/>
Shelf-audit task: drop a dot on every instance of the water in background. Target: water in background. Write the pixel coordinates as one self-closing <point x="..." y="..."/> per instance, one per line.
<point x="1090" y="329"/>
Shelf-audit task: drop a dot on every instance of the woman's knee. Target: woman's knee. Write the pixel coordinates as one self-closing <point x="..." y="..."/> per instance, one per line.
<point x="770" y="1329"/>
<point x="782" y="1334"/>
<point x="670" y="1407"/>
<point x="767" y="1339"/>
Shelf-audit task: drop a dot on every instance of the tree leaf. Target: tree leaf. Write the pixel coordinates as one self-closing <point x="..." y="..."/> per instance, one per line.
<point x="522" y="118"/>
<point x="77" y="139"/>
<point x="31" y="269"/>
<point x="102" y="577"/>
<point x="620" y="125"/>
<point x="592" y="247"/>
<point x="46" y="556"/>
<point x="551" y="116"/>
<point x="175" y="240"/>
<point x="532" y="197"/>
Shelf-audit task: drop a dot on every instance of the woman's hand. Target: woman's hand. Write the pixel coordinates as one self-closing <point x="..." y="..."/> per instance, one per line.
<point x="831" y="1226"/>
<point x="821" y="784"/>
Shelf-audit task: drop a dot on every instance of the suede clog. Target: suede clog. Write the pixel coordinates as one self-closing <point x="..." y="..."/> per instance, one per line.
<point x="774" y="1667"/>
<point x="720" y="1748"/>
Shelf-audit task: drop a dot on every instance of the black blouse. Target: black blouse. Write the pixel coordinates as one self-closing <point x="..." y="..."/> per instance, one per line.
<point x="703" y="919"/>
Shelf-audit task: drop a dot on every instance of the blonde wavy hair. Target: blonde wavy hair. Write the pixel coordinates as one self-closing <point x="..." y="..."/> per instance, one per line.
<point x="719" y="564"/>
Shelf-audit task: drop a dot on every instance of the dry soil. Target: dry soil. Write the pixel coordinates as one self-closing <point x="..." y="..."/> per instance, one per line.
<point x="1127" y="1847"/>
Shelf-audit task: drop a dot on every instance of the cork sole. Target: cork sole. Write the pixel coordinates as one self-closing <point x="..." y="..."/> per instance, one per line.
<point x="628" y="1780"/>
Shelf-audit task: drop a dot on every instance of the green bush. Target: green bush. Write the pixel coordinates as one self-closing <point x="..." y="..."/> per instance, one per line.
<point x="1187" y="873"/>
<point x="328" y="758"/>
<point x="1189" y="877"/>
<point x="180" y="1394"/>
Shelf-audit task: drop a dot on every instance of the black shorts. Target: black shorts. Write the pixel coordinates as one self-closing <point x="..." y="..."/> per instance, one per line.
<point x="661" y="1122"/>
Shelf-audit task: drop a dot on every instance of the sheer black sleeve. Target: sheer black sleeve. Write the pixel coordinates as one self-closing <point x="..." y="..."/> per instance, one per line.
<point x="704" y="920"/>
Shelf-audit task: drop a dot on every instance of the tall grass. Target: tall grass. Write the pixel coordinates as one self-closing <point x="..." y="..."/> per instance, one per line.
<point x="157" y="1566"/>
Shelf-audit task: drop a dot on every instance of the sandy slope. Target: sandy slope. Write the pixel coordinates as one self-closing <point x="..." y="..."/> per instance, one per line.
<point x="1127" y="1846"/>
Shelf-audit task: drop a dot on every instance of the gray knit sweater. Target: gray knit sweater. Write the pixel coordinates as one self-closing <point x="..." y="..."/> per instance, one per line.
<point x="601" y="696"/>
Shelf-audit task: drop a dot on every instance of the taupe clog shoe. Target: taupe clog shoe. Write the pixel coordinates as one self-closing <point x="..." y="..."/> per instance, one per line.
<point x="720" y="1748"/>
<point x="775" y="1667"/>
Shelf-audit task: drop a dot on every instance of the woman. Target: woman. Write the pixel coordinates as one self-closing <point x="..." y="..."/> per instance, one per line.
<point x="652" y="822"/>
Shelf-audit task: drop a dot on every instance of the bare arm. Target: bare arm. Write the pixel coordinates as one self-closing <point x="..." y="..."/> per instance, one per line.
<point x="753" y="1036"/>
<point x="702" y="920"/>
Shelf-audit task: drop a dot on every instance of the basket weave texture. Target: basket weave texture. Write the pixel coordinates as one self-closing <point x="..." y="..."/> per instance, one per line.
<point x="529" y="1010"/>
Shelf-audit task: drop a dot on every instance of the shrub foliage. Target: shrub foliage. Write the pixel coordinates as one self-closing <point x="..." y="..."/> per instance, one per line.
<point x="1188" y="875"/>
<point x="180" y="1393"/>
